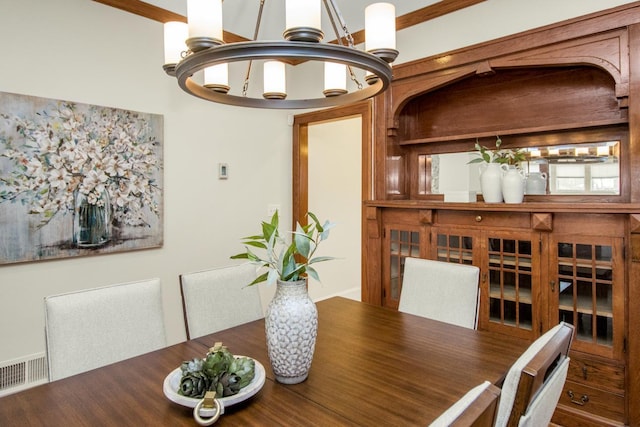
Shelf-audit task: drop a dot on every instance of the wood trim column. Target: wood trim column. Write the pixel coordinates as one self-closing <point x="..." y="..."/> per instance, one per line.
<point x="633" y="279"/>
<point x="300" y="177"/>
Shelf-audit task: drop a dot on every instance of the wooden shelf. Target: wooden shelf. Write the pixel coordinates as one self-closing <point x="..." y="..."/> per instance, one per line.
<point x="403" y="253"/>
<point x="522" y="325"/>
<point x="584" y="305"/>
<point x="510" y="260"/>
<point x="533" y="207"/>
<point x="509" y="294"/>
<point x="507" y="132"/>
<point x="467" y="255"/>
<point x="568" y="262"/>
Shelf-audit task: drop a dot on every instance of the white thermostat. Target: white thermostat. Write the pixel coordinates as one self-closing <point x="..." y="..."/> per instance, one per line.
<point x="223" y="171"/>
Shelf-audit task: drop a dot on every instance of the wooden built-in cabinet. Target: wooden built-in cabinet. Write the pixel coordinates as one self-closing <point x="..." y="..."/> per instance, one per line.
<point x="531" y="277"/>
<point x="572" y="258"/>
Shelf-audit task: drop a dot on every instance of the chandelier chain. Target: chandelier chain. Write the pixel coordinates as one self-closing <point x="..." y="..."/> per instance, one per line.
<point x="331" y="5"/>
<point x="347" y="35"/>
<point x="245" y="86"/>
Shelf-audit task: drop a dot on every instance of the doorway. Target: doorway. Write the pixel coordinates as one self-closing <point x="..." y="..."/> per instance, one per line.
<point x="322" y="151"/>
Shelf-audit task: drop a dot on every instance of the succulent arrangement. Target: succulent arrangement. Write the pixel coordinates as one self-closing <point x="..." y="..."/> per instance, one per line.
<point x="219" y="371"/>
<point x="284" y="261"/>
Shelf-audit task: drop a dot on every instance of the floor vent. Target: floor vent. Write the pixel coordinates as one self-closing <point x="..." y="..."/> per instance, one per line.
<point x="23" y="373"/>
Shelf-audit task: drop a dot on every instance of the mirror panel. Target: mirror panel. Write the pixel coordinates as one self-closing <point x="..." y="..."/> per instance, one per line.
<point x="573" y="169"/>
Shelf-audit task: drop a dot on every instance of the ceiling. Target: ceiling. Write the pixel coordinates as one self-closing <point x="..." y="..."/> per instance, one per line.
<point x="239" y="16"/>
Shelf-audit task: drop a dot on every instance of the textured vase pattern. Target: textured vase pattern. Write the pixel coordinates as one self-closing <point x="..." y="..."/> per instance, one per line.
<point x="291" y="325"/>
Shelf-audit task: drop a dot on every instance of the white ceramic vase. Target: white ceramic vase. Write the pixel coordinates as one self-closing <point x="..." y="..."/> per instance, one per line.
<point x="513" y="186"/>
<point x="491" y="182"/>
<point x="291" y="326"/>
<point x="536" y="183"/>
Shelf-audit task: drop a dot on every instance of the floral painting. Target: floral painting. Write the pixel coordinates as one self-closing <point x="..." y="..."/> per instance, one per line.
<point x="77" y="179"/>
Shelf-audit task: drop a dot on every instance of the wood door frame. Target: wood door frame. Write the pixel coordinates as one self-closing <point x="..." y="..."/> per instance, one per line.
<point x="300" y="160"/>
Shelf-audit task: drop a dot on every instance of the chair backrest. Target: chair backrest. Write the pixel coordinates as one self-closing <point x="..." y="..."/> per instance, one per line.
<point x="537" y="373"/>
<point x="219" y="298"/>
<point x="441" y="291"/>
<point x="477" y="408"/>
<point x="543" y="405"/>
<point x="95" y="327"/>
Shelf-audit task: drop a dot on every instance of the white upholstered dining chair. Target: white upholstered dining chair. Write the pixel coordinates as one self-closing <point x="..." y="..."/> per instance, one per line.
<point x="439" y="290"/>
<point x="477" y="408"/>
<point x="534" y="383"/>
<point x="219" y="298"/>
<point x="96" y="327"/>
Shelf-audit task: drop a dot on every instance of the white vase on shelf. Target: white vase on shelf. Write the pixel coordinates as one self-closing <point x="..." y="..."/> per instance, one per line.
<point x="513" y="185"/>
<point x="536" y="183"/>
<point x="491" y="182"/>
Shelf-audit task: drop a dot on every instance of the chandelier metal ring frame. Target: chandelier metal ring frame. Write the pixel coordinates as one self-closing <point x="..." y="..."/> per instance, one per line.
<point x="288" y="50"/>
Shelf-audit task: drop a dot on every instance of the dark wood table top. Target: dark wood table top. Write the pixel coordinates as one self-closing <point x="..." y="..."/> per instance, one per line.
<point x="371" y="366"/>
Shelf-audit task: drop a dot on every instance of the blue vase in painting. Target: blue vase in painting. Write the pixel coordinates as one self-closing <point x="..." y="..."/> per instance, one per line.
<point x="91" y="220"/>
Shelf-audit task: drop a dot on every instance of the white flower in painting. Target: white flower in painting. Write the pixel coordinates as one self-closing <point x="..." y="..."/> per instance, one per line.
<point x="95" y="198"/>
<point x="58" y="178"/>
<point x="92" y="149"/>
<point x="117" y="166"/>
<point x="137" y="186"/>
<point x="56" y="161"/>
<point x="47" y="145"/>
<point x="94" y="182"/>
<point x="34" y="167"/>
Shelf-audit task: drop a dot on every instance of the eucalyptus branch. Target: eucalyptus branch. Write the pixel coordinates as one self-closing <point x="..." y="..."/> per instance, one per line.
<point x="287" y="262"/>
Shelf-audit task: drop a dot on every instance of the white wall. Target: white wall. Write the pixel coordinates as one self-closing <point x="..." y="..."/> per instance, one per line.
<point x="83" y="51"/>
<point x="335" y="184"/>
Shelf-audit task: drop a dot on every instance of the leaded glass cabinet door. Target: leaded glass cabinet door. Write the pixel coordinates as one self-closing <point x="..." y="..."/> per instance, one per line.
<point x="400" y="242"/>
<point x="455" y="245"/>
<point x="587" y="284"/>
<point x="510" y="279"/>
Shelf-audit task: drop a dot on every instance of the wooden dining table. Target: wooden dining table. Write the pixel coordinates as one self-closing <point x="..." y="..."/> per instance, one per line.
<point x="371" y="366"/>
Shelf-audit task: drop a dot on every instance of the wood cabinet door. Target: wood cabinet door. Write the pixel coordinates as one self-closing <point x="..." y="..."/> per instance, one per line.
<point x="587" y="290"/>
<point x="509" y="274"/>
<point x="455" y="244"/>
<point x="400" y="241"/>
<point x="510" y="283"/>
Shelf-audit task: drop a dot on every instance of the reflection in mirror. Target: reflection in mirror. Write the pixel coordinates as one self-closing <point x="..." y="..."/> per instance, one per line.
<point x="579" y="168"/>
<point x="394" y="170"/>
<point x="574" y="169"/>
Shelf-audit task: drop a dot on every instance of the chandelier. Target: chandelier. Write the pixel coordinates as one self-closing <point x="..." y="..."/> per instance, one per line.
<point x="198" y="47"/>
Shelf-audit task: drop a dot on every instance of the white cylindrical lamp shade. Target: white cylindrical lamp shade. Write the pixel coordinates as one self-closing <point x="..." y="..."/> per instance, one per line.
<point x="302" y="20"/>
<point x="205" y="20"/>
<point x="380" y="29"/>
<point x="216" y="78"/>
<point x="335" y="79"/>
<point x="175" y="35"/>
<point x="274" y="80"/>
<point x="303" y="13"/>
